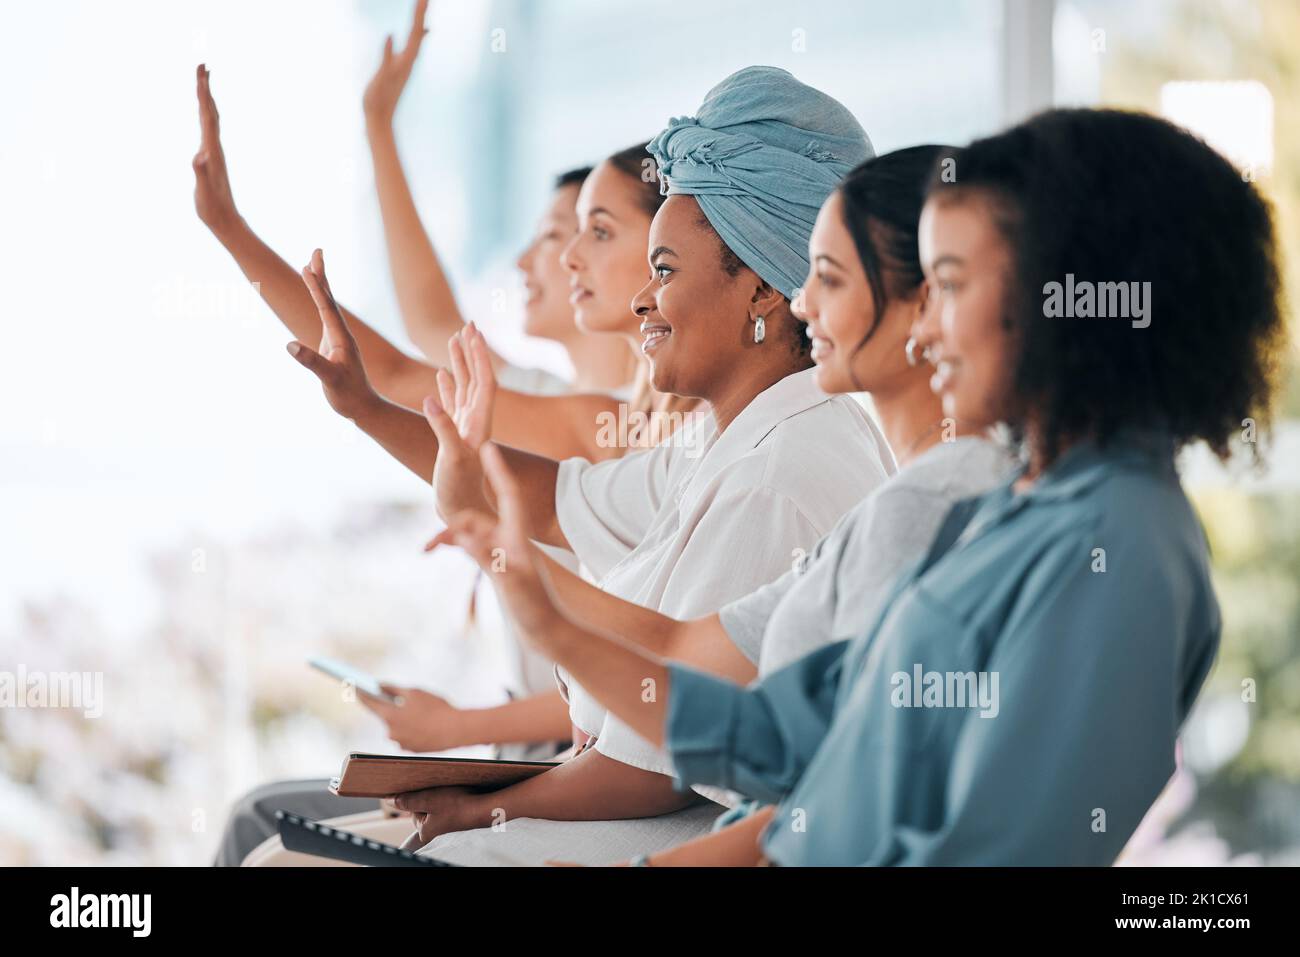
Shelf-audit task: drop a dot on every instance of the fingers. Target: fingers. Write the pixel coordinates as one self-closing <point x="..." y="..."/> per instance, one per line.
<point x="317" y="266"/>
<point x="446" y="389"/>
<point x="477" y="424"/>
<point x="445" y="429"/>
<point x="463" y="530"/>
<point x="445" y="537"/>
<point x="312" y="359"/>
<point x="209" y="122"/>
<point x="459" y="369"/>
<point x="472" y="531"/>
<point x="417" y="801"/>
<point x="388" y="51"/>
<point x="485" y="376"/>
<point x="380" y="707"/>
<point x="336" y="328"/>
<point x="427" y="831"/>
<point x="471" y="378"/>
<point x="418" y="29"/>
<point x="509" y="505"/>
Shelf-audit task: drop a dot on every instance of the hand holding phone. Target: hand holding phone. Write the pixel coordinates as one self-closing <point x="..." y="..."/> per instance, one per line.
<point x="365" y="683"/>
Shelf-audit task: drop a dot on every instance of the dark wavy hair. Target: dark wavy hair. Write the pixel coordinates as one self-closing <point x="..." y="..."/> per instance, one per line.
<point x="1111" y="196"/>
<point x="637" y="163"/>
<point x="880" y="203"/>
<point x="572" y="177"/>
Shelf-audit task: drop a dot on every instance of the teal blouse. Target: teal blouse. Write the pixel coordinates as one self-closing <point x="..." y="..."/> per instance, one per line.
<point x="1017" y="699"/>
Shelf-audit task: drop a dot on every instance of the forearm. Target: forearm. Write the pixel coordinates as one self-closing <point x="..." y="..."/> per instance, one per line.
<point x="558" y="427"/>
<point x="699" y="642"/>
<point x="536" y="476"/>
<point x="736" y="845"/>
<point x="541" y="717"/>
<point x="597" y="610"/>
<point x="630" y="682"/>
<point x="281" y="287"/>
<point x="404" y="434"/>
<point x="428" y="305"/>
<point x="590" y="787"/>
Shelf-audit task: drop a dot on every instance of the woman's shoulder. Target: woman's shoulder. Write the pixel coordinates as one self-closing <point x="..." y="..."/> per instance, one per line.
<point x="837" y="431"/>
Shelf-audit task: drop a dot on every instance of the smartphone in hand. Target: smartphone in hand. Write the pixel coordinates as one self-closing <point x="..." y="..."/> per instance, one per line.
<point x="364" y="683"/>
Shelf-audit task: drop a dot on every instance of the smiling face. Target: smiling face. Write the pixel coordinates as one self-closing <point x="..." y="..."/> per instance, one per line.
<point x="547" y="312"/>
<point x="606" y="257"/>
<point x="968" y="264"/>
<point x="695" y="316"/>
<point x="837" y="304"/>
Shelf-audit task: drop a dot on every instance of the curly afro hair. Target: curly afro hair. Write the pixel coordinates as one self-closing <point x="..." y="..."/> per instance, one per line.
<point x="1110" y="196"/>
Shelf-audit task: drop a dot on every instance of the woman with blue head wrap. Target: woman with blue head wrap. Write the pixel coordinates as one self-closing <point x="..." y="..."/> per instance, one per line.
<point x="749" y="172"/>
<point x="760" y="158"/>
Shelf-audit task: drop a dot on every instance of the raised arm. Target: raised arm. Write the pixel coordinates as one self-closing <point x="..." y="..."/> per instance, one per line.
<point x="701" y="642"/>
<point x="428" y="305"/>
<point x="557" y="427"/>
<point x="447" y="456"/>
<point x="404" y="434"/>
<point x="395" y="375"/>
<point x="617" y="670"/>
<point x="760" y="737"/>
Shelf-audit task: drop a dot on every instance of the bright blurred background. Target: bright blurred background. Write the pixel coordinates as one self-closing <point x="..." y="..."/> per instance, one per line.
<point x="180" y="511"/>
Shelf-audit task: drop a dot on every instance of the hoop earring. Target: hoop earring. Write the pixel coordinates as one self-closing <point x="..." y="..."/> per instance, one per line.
<point x="759" y="329"/>
<point x="910" y="351"/>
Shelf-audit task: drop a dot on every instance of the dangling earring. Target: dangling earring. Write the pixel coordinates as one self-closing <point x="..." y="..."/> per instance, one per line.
<point x="910" y="351"/>
<point x="759" y="330"/>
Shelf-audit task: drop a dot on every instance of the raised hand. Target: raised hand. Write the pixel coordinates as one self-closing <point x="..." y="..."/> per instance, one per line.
<point x="213" y="199"/>
<point x="468" y="393"/>
<point x="385" y="87"/>
<point x="457" y="473"/>
<point x="501" y="548"/>
<point x="338" y="363"/>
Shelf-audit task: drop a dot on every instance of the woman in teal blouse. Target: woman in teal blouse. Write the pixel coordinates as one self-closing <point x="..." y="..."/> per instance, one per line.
<point x="1018" y="698"/>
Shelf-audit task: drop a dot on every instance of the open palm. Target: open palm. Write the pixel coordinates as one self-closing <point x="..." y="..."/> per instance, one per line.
<point x="213" y="199"/>
<point x="386" y="86"/>
<point x="468" y="391"/>
<point x="338" y="362"/>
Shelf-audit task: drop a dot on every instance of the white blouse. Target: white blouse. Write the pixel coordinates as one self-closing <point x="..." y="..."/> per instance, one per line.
<point x="705" y="518"/>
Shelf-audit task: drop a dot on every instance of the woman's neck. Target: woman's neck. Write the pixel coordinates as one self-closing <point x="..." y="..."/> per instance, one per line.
<point x="1037" y="463"/>
<point x="738" y="391"/>
<point x="601" y="363"/>
<point x="911" y="416"/>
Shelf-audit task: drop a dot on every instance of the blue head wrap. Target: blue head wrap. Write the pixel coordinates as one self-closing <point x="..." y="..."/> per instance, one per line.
<point x="760" y="158"/>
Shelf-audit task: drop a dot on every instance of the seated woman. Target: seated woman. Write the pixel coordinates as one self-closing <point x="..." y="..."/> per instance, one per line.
<point x="598" y="346"/>
<point x="1017" y="698"/>
<point x="732" y="499"/>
